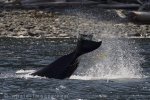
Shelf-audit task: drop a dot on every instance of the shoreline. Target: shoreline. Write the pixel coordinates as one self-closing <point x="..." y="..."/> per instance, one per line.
<point x="68" y="23"/>
<point x="24" y="37"/>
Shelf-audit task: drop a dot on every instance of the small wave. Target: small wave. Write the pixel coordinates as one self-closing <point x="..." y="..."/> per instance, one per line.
<point x="24" y="71"/>
<point x="83" y="77"/>
<point x="6" y="75"/>
<point x="104" y="77"/>
<point x="26" y="74"/>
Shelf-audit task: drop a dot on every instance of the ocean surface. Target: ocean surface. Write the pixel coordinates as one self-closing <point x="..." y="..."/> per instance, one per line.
<point x="119" y="69"/>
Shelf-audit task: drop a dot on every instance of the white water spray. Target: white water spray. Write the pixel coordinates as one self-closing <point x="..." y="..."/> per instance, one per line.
<point x="115" y="59"/>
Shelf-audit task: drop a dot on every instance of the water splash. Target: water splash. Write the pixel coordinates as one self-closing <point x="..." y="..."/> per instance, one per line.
<point x="24" y="71"/>
<point x="26" y="74"/>
<point x="115" y="59"/>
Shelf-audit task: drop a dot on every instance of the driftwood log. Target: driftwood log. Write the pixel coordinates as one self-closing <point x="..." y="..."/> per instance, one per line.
<point x="119" y="6"/>
<point x="119" y="1"/>
<point x="139" y="17"/>
<point x="59" y="4"/>
<point x="50" y="3"/>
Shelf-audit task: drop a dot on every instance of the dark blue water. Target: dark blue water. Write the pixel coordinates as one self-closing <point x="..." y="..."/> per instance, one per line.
<point x="119" y="69"/>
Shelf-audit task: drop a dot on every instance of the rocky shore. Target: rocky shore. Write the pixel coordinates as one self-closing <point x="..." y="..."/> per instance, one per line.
<point x="68" y="22"/>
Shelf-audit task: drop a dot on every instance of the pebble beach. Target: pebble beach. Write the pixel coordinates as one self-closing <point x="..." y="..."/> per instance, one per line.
<point x="67" y="23"/>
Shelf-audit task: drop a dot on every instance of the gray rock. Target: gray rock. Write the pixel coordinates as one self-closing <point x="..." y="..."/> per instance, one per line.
<point x="3" y="33"/>
<point x="22" y="33"/>
<point x="1" y="15"/>
<point x="29" y="27"/>
<point x="134" y="34"/>
<point x="63" y="35"/>
<point x="11" y="29"/>
<point x="37" y="33"/>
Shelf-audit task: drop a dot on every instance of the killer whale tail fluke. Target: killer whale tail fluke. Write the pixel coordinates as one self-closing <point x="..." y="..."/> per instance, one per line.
<point x="65" y="66"/>
<point x="85" y="44"/>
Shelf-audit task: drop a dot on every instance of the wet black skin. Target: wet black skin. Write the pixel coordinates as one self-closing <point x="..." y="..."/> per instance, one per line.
<point x="65" y="66"/>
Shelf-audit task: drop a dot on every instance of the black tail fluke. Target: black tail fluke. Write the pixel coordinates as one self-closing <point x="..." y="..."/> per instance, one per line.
<point x="65" y="66"/>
